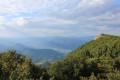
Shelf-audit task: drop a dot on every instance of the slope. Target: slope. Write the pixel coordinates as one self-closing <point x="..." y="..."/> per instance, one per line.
<point x="37" y="55"/>
<point x="43" y="55"/>
<point x="99" y="56"/>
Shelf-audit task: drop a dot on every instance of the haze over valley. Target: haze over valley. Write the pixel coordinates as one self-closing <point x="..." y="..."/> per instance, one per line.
<point x="39" y="48"/>
<point x="59" y="39"/>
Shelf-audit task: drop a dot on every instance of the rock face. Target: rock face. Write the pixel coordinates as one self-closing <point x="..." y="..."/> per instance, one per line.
<point x="98" y="37"/>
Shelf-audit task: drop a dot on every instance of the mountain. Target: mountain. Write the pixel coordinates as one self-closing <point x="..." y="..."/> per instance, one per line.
<point x="69" y="43"/>
<point x="98" y="57"/>
<point x="66" y="43"/>
<point x="39" y="48"/>
<point x="6" y="44"/>
<point x="37" y="55"/>
<point x="43" y="55"/>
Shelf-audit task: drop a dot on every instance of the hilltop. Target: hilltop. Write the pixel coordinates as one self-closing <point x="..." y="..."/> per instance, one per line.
<point x="97" y="37"/>
<point x="98" y="56"/>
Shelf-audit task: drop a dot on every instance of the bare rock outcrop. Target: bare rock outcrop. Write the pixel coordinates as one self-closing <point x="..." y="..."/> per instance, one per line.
<point x="97" y="37"/>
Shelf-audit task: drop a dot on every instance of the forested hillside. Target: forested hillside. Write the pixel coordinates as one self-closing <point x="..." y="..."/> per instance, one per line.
<point x="98" y="59"/>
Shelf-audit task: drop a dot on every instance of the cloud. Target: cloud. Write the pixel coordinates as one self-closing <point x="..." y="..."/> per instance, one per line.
<point x="36" y="22"/>
<point x="30" y="6"/>
<point x="106" y="16"/>
<point x="16" y="22"/>
<point x="58" y="17"/>
<point x="108" y="19"/>
<point x="2" y="19"/>
<point x="2" y="28"/>
<point x="93" y="3"/>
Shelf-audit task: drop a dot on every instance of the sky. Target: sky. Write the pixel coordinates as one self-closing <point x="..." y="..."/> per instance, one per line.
<point x="43" y="18"/>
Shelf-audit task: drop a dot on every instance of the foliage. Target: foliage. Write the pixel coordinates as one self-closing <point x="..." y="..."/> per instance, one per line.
<point x="115" y="75"/>
<point x="16" y="67"/>
<point x="96" y="60"/>
<point x="99" y="56"/>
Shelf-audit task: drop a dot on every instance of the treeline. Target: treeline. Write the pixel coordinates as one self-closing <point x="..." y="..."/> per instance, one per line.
<point x="15" y="66"/>
<point x="96" y="60"/>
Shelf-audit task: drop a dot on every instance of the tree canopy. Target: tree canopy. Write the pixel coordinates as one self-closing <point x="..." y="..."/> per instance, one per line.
<point x="96" y="60"/>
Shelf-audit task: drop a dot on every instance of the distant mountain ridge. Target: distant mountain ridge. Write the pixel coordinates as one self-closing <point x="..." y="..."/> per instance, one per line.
<point x="43" y="55"/>
<point x="49" y="49"/>
<point x="69" y="43"/>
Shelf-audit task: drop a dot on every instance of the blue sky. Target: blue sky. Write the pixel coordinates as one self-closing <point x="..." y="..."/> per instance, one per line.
<point x="117" y="1"/>
<point x="39" y="18"/>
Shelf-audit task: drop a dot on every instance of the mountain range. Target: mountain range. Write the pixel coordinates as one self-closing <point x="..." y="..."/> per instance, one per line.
<point x="98" y="59"/>
<point x="43" y="49"/>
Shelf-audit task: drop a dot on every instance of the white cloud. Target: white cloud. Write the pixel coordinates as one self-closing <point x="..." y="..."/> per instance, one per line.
<point x="107" y="18"/>
<point x="30" y="6"/>
<point x="2" y="27"/>
<point x="93" y="3"/>
<point x="2" y="19"/>
<point x="40" y="22"/>
<point x="16" y="22"/>
<point x="46" y="30"/>
<point x="19" y="21"/>
<point x="55" y="21"/>
<point x="58" y="17"/>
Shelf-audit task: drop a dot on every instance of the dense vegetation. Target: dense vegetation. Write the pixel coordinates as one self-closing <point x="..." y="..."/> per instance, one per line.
<point x="96" y="60"/>
<point x="100" y="57"/>
<point x="16" y="67"/>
